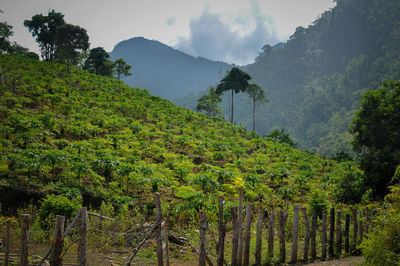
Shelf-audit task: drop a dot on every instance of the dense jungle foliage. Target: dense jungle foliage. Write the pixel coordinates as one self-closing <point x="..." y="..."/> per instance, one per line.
<point x="80" y="135"/>
<point x="315" y="79"/>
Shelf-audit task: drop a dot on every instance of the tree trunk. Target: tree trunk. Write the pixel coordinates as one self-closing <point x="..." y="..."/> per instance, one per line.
<point x="254" y="115"/>
<point x="232" y="107"/>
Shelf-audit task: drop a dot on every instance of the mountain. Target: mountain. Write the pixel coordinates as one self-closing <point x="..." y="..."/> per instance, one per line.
<point x="81" y="134"/>
<point x="165" y="71"/>
<point x="315" y="79"/>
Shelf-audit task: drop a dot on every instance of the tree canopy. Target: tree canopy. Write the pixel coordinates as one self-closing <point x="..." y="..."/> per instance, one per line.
<point x="44" y="29"/>
<point x="70" y="41"/>
<point x="376" y="131"/>
<point x="98" y="62"/>
<point x="209" y="103"/>
<point x="121" y="68"/>
<point x="235" y="81"/>
<point x="257" y="95"/>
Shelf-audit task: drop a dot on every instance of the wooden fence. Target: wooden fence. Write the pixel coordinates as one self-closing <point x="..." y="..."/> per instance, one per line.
<point x="308" y="239"/>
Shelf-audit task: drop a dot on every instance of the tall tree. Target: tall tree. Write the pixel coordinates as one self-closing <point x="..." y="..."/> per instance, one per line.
<point x="376" y="131"/>
<point x="98" y="62"/>
<point x="236" y="81"/>
<point x="209" y="103"/>
<point x="257" y="96"/>
<point x="5" y="33"/>
<point x="121" y="68"/>
<point x="70" y="41"/>
<point x="44" y="28"/>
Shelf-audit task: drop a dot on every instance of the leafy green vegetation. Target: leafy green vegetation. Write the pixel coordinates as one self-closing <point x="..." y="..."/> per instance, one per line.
<point x="382" y="247"/>
<point x="377" y="138"/>
<point x="314" y="81"/>
<point x="118" y="144"/>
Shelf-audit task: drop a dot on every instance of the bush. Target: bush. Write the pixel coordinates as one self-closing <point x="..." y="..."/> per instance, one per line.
<point x="57" y="205"/>
<point x="318" y="202"/>
<point x="382" y="247"/>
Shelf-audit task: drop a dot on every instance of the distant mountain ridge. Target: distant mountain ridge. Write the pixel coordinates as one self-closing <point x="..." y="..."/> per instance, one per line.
<point x="165" y="71"/>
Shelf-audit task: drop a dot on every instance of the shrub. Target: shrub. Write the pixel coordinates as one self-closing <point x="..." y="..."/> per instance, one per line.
<point x="318" y="202"/>
<point x="57" y="205"/>
<point x="382" y="246"/>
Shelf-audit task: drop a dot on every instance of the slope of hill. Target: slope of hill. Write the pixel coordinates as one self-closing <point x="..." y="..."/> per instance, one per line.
<point x="315" y="80"/>
<point x="167" y="72"/>
<point x="82" y="133"/>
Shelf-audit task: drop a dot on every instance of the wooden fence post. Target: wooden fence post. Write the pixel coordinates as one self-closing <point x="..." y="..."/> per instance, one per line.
<point x="221" y="231"/>
<point x="366" y="220"/>
<point x="260" y="219"/>
<point x="355" y="229"/>
<point x="313" y="236"/>
<point x="332" y="233"/>
<point x="202" y="246"/>
<point x="295" y="233"/>
<point x="360" y="226"/>
<point x="247" y="235"/>
<point x="271" y="233"/>
<point x="164" y="230"/>
<point x="346" y="234"/>
<point x="307" y="234"/>
<point x="240" y="227"/>
<point x="282" y="222"/>
<point x="157" y="201"/>
<point x="235" y="236"/>
<point x="324" y="235"/>
<point x="7" y="243"/>
<point x="58" y="242"/>
<point x="25" y="239"/>
<point x="339" y="234"/>
<point x="83" y="231"/>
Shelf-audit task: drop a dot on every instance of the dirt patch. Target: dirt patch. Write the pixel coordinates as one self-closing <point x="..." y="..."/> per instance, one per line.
<point x="348" y="261"/>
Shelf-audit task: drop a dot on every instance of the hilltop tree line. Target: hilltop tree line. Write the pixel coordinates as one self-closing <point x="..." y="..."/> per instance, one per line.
<point x="64" y="43"/>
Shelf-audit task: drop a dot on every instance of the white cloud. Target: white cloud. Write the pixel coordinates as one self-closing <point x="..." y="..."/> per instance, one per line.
<point x="233" y="39"/>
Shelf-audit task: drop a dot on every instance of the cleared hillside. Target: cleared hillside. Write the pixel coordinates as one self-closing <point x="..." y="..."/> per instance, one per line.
<point x="81" y="133"/>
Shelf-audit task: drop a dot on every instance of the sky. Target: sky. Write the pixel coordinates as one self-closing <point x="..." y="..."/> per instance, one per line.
<point x="233" y="31"/>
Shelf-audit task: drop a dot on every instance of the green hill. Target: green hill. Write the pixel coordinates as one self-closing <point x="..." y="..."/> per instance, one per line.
<point x="81" y="133"/>
<point x="165" y="71"/>
<point x="315" y="79"/>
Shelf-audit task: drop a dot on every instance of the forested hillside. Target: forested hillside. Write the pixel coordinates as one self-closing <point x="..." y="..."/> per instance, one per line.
<point x="314" y="82"/>
<point x="167" y="72"/>
<point x="83" y="134"/>
<point x="315" y="79"/>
